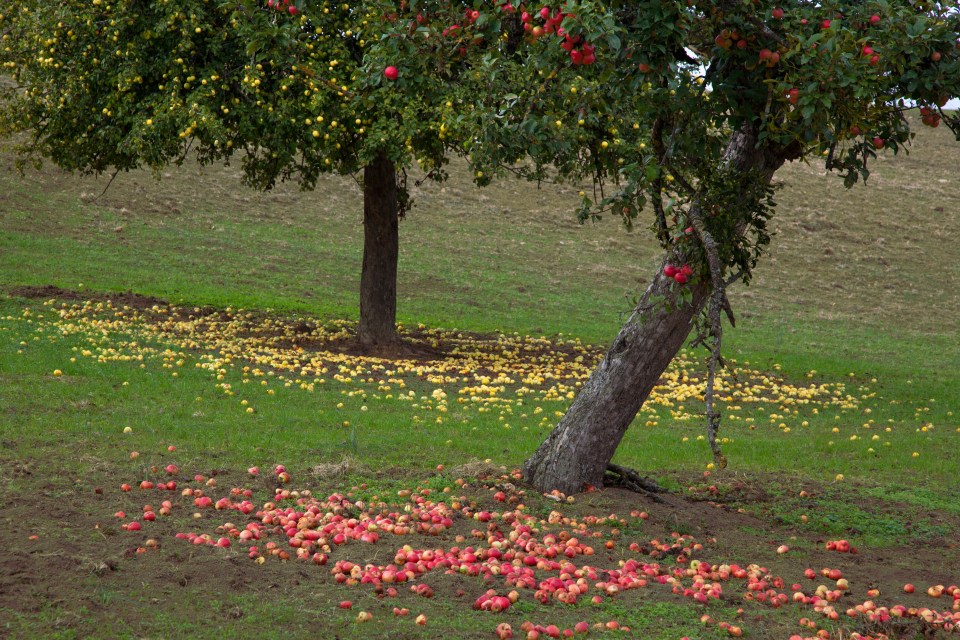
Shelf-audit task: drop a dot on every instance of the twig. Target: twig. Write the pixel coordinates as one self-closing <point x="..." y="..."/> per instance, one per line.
<point x="108" y="185"/>
<point x="717" y="303"/>
<point x="656" y="190"/>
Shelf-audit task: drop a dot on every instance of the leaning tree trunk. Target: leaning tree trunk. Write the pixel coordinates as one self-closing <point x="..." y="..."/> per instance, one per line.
<point x="578" y="450"/>
<point x="381" y="246"/>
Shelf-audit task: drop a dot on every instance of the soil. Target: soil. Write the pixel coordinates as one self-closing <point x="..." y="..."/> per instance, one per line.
<point x="84" y="567"/>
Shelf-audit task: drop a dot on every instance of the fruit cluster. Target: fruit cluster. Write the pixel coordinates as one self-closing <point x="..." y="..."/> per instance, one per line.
<point x="283" y="5"/>
<point x="580" y="52"/>
<point x="929" y="117"/>
<point x="680" y="274"/>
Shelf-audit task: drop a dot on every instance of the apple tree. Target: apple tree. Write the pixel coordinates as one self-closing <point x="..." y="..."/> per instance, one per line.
<point x="681" y="111"/>
<point x="285" y="87"/>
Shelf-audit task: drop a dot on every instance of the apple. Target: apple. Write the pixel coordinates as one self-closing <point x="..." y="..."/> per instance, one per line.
<point x="874" y="20"/>
<point x="391" y="73"/>
<point x="879" y="142"/>
<point x="777" y="14"/>
<point x="825" y="24"/>
<point x="935" y="56"/>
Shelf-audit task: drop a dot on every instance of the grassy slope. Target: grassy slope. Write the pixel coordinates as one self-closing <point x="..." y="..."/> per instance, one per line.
<point x="860" y="280"/>
<point x="507" y="257"/>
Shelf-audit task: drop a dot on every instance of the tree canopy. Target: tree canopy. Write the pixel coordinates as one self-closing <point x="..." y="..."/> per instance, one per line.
<point x="121" y="84"/>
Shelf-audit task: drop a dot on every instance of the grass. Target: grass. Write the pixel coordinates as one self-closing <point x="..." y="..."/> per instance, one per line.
<point x="858" y="295"/>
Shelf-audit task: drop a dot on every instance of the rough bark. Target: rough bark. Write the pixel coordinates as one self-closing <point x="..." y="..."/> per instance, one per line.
<point x="381" y="245"/>
<point x="578" y="450"/>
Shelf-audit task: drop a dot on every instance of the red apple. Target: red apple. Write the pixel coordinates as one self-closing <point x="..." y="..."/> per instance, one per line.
<point x="391" y="73"/>
<point x="777" y="14"/>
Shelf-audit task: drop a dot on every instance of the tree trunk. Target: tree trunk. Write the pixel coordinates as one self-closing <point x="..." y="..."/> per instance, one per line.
<point x="381" y="246"/>
<point x="578" y="450"/>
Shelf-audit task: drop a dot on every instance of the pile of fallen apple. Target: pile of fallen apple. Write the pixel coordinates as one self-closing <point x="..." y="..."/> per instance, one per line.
<point x="512" y="553"/>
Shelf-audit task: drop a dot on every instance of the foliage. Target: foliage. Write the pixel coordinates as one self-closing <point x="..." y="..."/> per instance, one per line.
<point x="122" y="84"/>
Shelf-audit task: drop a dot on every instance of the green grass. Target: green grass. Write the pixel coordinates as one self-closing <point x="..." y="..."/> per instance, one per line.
<point x="860" y="289"/>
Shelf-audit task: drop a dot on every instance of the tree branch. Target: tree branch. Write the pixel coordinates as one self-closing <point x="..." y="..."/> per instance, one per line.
<point x="718" y="300"/>
<point x="656" y="190"/>
<point x="630" y="479"/>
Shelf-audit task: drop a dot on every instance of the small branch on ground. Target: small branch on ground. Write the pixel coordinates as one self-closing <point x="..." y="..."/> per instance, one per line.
<point x="618" y="476"/>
